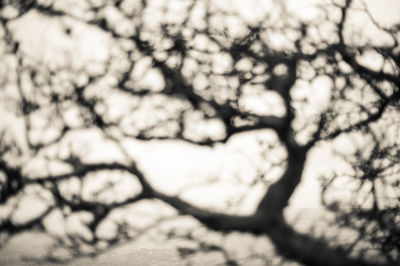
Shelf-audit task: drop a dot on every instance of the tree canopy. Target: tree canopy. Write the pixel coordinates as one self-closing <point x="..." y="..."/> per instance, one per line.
<point x="200" y="72"/>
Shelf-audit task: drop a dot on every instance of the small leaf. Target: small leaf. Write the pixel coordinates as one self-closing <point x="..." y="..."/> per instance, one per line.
<point x="185" y="252"/>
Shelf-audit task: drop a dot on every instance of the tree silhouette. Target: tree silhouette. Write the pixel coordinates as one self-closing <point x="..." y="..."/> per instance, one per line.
<point x="200" y="73"/>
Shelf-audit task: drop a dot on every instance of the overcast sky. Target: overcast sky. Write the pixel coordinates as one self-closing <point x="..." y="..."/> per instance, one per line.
<point x="173" y="162"/>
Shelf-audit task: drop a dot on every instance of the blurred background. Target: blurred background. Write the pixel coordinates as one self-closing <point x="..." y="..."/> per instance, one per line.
<point x="99" y="98"/>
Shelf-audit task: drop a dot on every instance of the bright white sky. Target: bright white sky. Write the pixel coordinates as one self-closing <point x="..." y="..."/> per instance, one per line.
<point x="88" y="45"/>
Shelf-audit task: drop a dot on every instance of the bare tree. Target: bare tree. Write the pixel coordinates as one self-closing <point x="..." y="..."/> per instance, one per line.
<point x="201" y="73"/>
